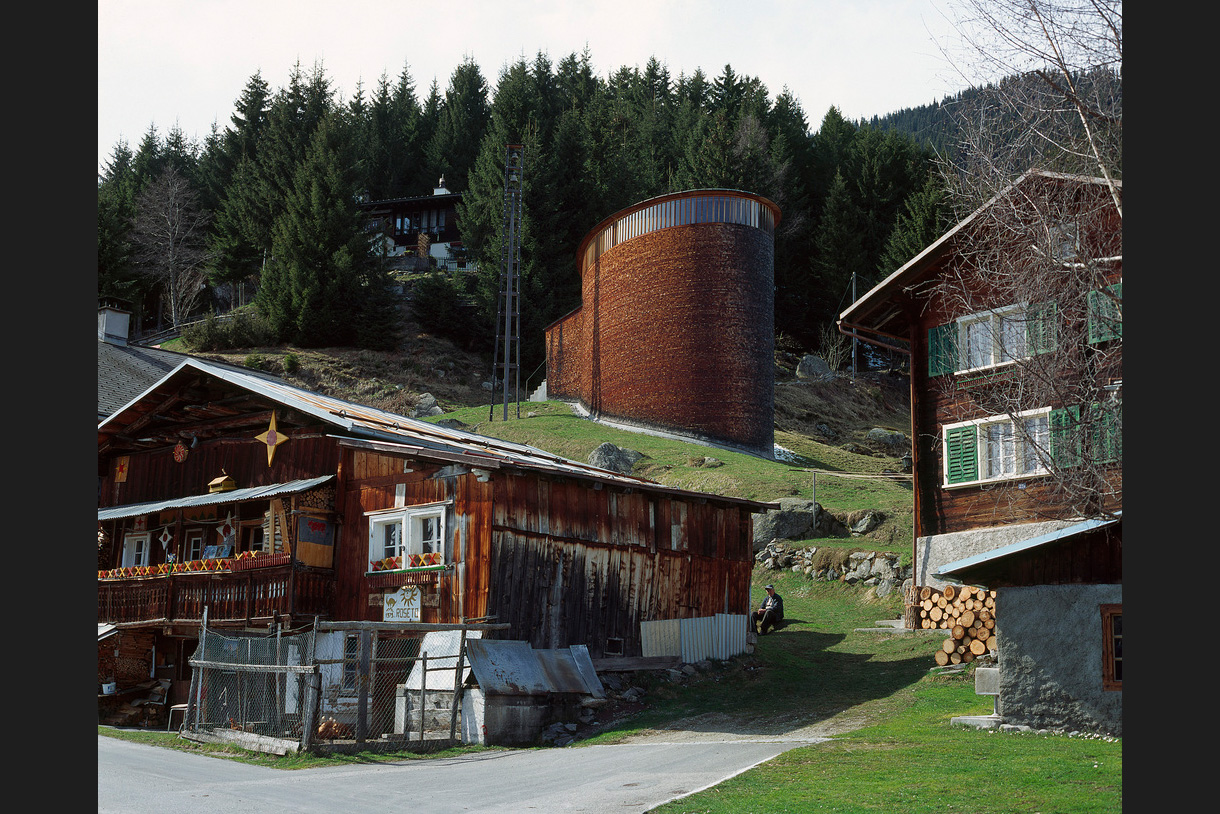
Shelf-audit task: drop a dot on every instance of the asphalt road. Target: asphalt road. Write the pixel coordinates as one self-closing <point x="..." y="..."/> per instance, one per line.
<point x="138" y="779"/>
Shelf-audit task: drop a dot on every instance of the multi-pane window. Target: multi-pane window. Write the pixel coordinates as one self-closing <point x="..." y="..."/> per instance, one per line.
<point x="408" y="537"/>
<point x="194" y="544"/>
<point x="994" y="338"/>
<point x="997" y="448"/>
<point x="136" y="549"/>
<point x="990" y="338"/>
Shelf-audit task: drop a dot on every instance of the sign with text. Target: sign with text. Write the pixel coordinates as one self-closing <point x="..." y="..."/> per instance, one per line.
<point x="402" y="605"/>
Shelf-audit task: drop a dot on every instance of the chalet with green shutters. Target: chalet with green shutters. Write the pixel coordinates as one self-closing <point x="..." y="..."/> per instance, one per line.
<point x="1013" y="325"/>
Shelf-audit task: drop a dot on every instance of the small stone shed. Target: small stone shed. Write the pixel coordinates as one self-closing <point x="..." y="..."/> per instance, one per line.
<point x="513" y="690"/>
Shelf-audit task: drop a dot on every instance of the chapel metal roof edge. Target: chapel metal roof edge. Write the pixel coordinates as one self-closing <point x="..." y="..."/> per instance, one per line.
<point x="212" y="498"/>
<point x="948" y="570"/>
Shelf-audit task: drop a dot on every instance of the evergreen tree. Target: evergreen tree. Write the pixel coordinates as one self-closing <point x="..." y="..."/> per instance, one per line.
<point x="116" y="195"/>
<point x="463" y="120"/>
<point x="925" y="216"/>
<point x="840" y="252"/>
<point x="322" y="285"/>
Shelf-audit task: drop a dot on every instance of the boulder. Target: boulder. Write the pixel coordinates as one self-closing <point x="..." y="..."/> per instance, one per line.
<point x="813" y="368"/>
<point x="616" y="459"/>
<point x="426" y="406"/>
<point x="794" y="519"/>
<point x="890" y="438"/>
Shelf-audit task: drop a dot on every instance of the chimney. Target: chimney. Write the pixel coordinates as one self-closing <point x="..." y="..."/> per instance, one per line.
<point x="112" y="325"/>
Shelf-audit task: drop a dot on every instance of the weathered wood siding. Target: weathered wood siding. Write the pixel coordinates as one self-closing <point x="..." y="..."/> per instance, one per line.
<point x="934" y="404"/>
<point x="156" y="475"/>
<point x="369" y="482"/>
<point x="574" y="564"/>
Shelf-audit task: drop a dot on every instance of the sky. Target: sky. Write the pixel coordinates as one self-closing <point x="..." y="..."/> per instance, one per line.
<point x="166" y="63"/>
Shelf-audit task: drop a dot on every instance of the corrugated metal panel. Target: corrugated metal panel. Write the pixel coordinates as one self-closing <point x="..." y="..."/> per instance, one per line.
<point x="515" y="668"/>
<point x="661" y="637"/>
<point x="212" y="498"/>
<point x="721" y="636"/>
<point x="731" y="634"/>
<point x="442" y="649"/>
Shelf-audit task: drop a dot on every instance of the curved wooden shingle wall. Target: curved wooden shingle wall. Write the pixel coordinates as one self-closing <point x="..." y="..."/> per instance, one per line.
<point x="676" y="326"/>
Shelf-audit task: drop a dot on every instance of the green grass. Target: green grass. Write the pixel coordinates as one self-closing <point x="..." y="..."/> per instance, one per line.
<point x="171" y="740"/>
<point x="906" y="757"/>
<point x="554" y="428"/>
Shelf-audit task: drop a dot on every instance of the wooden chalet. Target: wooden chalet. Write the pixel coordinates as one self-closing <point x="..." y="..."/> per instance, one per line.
<point x="260" y="503"/>
<point x="991" y="507"/>
<point x="422" y="226"/>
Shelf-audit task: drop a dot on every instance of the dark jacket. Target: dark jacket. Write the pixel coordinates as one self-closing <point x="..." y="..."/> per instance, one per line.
<point x="774" y="602"/>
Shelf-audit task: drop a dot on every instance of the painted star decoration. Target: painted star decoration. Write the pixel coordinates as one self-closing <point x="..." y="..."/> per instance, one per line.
<point x="272" y="439"/>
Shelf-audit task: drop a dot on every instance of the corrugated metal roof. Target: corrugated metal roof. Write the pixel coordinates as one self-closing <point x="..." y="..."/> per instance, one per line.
<point x="515" y="668"/>
<point x="417" y="437"/>
<point x="104" y="630"/>
<point x="952" y="570"/>
<point x="212" y="498"/>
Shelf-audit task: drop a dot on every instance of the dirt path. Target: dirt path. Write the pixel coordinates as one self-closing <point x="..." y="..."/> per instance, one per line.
<point x="717" y="727"/>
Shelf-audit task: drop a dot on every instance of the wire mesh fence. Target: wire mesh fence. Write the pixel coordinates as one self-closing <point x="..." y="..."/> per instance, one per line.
<point x="337" y="686"/>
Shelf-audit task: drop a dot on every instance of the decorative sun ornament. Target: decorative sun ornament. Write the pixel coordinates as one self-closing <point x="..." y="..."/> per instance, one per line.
<point x="272" y="439"/>
<point x="180" y="452"/>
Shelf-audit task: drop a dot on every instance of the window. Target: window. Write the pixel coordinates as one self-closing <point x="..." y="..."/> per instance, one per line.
<point x="194" y="544"/>
<point x="1112" y="647"/>
<point x="991" y="338"/>
<point x="998" y="447"/>
<point x="1106" y="314"/>
<point x="407" y="538"/>
<point x="135" y="549"/>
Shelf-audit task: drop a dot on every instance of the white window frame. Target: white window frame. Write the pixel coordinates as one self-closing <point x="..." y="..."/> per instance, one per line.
<point x="412" y="523"/>
<point x="137" y="547"/>
<point x="993" y="326"/>
<point x="194" y="544"/>
<point x="1003" y="453"/>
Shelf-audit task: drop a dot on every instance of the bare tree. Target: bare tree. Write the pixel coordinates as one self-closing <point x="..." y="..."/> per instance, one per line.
<point x="169" y="234"/>
<point x="1049" y="79"/>
<point x="1037" y="286"/>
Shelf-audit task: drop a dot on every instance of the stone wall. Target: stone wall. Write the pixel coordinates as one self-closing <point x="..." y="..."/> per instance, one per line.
<point x="1050" y="656"/>
<point x="877" y="569"/>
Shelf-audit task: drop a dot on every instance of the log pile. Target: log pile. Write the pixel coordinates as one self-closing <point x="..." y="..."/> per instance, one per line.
<point x="968" y="613"/>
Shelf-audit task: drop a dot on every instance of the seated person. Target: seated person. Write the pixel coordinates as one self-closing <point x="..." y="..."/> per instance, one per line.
<point x="770" y="614"/>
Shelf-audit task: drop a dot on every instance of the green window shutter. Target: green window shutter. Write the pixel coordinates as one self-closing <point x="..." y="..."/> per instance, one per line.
<point x="942" y="349"/>
<point x="1107" y="427"/>
<point x="1105" y="319"/>
<point x="961" y="455"/>
<point x="1065" y="437"/>
<point x="1042" y="327"/>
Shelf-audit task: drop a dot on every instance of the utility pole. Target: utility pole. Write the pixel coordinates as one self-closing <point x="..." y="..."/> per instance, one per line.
<point x="508" y="313"/>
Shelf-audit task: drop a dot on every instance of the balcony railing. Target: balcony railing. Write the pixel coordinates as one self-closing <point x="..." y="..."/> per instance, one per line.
<point x="230" y="596"/>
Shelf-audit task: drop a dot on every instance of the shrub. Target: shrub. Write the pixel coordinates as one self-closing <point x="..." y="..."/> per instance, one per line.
<point x="291" y="364"/>
<point x="255" y="361"/>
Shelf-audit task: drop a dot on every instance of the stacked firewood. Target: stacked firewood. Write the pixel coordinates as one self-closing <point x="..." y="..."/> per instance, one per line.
<point x="968" y="613"/>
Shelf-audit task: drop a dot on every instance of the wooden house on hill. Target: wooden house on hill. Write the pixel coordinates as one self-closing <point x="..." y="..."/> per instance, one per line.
<point x="263" y="503"/>
<point x="1013" y="323"/>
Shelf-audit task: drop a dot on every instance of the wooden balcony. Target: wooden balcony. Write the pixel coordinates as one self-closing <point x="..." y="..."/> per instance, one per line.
<point x="249" y="596"/>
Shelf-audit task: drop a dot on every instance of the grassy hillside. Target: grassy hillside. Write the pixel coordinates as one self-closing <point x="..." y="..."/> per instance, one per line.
<point x="823" y="425"/>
